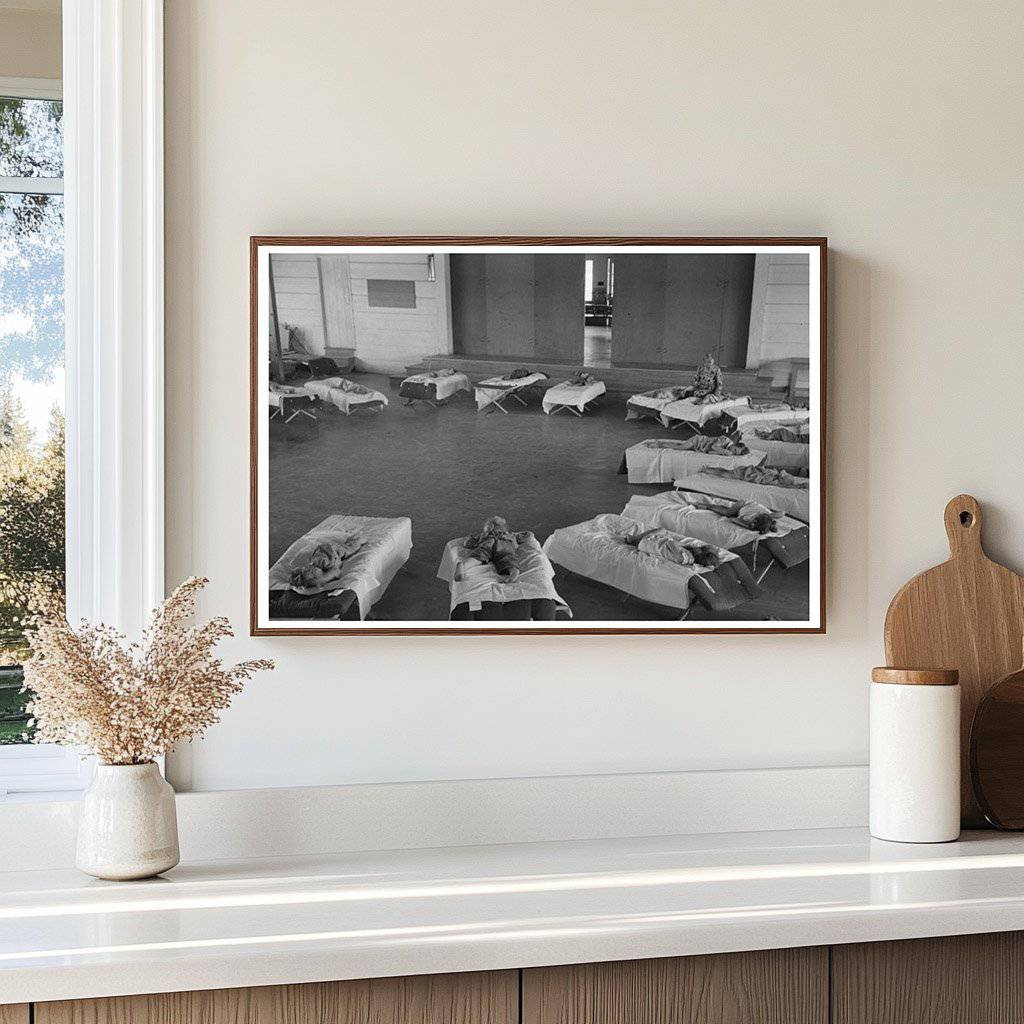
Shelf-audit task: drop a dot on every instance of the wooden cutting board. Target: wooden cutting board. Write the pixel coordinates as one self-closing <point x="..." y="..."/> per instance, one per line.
<point x="967" y="614"/>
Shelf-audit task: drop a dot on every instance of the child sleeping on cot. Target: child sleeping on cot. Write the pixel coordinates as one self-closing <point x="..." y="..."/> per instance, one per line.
<point x="673" y="548"/>
<point x="723" y="444"/>
<point x="496" y="545"/>
<point x="781" y="434"/>
<point x="751" y="514"/>
<point x="324" y="564"/>
<point x="761" y="475"/>
<point x="661" y="543"/>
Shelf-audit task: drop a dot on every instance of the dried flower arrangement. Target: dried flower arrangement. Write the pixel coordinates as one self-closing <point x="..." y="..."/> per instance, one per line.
<point x="129" y="703"/>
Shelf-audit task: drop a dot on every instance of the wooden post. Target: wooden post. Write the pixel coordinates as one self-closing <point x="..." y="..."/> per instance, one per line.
<point x="278" y="359"/>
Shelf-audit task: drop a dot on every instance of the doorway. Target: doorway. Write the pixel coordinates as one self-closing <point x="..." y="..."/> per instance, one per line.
<point x="598" y="300"/>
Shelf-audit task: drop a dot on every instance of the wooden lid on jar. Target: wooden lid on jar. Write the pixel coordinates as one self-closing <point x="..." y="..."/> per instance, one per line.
<point x="916" y="676"/>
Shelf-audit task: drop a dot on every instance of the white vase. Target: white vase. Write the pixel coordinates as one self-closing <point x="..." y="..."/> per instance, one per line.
<point x="127" y="825"/>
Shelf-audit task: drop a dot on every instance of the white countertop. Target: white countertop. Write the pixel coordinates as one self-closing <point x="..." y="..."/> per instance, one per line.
<point x="274" y="921"/>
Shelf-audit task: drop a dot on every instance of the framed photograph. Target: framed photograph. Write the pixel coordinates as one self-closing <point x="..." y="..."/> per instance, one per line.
<point x="537" y="435"/>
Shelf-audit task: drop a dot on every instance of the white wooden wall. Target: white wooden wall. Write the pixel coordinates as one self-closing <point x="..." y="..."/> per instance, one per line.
<point x="779" y="308"/>
<point x="326" y="298"/>
<point x="299" y="298"/>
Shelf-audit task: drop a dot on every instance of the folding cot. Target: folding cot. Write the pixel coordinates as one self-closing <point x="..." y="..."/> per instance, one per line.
<point x="434" y="387"/>
<point x="649" y="404"/>
<point x="365" y="575"/>
<point x="671" y="407"/>
<point x="791" y="455"/>
<point x="571" y="397"/>
<point x="767" y="416"/>
<point x="660" y="460"/>
<point x="698" y="415"/>
<point x="346" y="395"/>
<point x="714" y="521"/>
<point x="479" y="592"/>
<point x="495" y="391"/>
<point x="791" y="501"/>
<point x="598" y="550"/>
<point x="287" y="402"/>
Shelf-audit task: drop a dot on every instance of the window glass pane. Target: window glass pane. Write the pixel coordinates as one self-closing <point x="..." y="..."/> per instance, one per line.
<point x="31" y="431"/>
<point x="31" y="138"/>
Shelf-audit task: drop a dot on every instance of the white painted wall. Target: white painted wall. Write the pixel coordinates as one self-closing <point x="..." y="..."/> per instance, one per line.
<point x="897" y="133"/>
<point x="30" y="39"/>
<point x="387" y="340"/>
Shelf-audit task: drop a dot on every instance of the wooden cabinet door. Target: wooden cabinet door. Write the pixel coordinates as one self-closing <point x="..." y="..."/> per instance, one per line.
<point x="479" y="998"/>
<point x="14" y="1013"/>
<point x="962" y="979"/>
<point x="778" y="986"/>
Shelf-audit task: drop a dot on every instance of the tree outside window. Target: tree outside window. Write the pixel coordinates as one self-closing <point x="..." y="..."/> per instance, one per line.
<point x="31" y="385"/>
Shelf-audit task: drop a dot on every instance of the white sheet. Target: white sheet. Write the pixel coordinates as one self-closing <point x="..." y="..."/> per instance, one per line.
<point x="592" y="550"/>
<point x="792" y="501"/>
<point x="502" y="386"/>
<point x="661" y="464"/>
<point x="576" y="395"/>
<point x="689" y="411"/>
<point x="474" y="583"/>
<point x="329" y="390"/>
<point x="445" y="386"/>
<point x="780" y="454"/>
<point x="674" y="511"/>
<point x="781" y="416"/>
<point x="386" y="547"/>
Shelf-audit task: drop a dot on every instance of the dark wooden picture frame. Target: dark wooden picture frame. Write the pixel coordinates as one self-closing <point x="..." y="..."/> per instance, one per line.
<point x="816" y="623"/>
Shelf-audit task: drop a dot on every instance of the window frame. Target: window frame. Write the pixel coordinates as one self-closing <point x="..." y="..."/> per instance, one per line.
<point x="112" y="91"/>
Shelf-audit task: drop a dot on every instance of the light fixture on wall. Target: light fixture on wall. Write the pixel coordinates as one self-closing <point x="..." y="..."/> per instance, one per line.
<point x="431" y="270"/>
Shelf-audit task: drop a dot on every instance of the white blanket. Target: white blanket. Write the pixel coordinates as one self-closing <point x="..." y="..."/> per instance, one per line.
<point x="674" y="510"/>
<point x="693" y="412"/>
<point x="780" y="416"/>
<point x="473" y="583"/>
<point x="780" y="454"/>
<point x="656" y="461"/>
<point x="791" y="501"/>
<point x="592" y="549"/>
<point x="493" y="389"/>
<point x="576" y="395"/>
<point x="331" y="390"/>
<point x="445" y="386"/>
<point x="385" y="549"/>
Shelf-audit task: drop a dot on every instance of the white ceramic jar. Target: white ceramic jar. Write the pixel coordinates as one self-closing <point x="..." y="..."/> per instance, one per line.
<point x="127" y="824"/>
<point x="915" y="755"/>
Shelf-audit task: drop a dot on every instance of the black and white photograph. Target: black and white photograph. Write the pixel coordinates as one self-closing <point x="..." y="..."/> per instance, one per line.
<point x="540" y="435"/>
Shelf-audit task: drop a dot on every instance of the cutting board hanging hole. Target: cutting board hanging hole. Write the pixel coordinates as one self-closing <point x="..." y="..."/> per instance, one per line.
<point x="963" y="526"/>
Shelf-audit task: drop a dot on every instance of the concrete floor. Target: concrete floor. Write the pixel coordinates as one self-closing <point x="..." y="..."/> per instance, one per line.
<point x="597" y="346"/>
<point x="449" y="469"/>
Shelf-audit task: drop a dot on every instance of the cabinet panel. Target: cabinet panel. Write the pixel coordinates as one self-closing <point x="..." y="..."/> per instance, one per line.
<point x="479" y="998"/>
<point x="780" y="986"/>
<point x="962" y="979"/>
<point x="14" y="1013"/>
